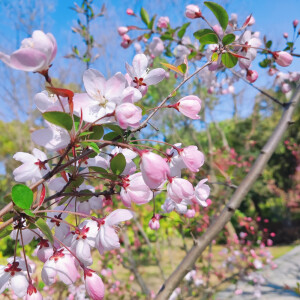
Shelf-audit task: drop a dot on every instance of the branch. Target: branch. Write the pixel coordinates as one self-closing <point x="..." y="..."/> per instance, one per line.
<point x="190" y="259"/>
<point x="284" y="105"/>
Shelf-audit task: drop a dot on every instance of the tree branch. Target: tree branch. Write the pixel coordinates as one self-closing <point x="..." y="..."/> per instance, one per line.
<point x="190" y="259"/>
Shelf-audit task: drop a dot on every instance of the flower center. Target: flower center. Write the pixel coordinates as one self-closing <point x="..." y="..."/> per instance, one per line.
<point x="139" y="82"/>
<point x="12" y="268"/>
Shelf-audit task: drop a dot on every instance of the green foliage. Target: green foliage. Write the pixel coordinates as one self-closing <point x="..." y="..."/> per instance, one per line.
<point x="59" y="118"/>
<point x="228" y="39"/>
<point x="219" y="12"/>
<point x="118" y="164"/>
<point x="42" y="225"/>
<point x="206" y="36"/>
<point x="229" y="60"/>
<point x="22" y="196"/>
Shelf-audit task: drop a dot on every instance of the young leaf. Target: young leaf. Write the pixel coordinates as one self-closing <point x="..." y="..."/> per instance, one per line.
<point x="92" y="145"/>
<point x="42" y="225"/>
<point x="112" y="136"/>
<point x="182" y="68"/>
<point x="206" y="36"/>
<point x="145" y="16"/>
<point x="22" y="196"/>
<point x="215" y="56"/>
<point x="150" y="25"/>
<point x="29" y="213"/>
<point x="98" y="132"/>
<point x="182" y="30"/>
<point x="229" y="60"/>
<point x="115" y="128"/>
<point x="219" y="12"/>
<point x="59" y="118"/>
<point x="118" y="164"/>
<point x="228" y="39"/>
<point x="5" y="231"/>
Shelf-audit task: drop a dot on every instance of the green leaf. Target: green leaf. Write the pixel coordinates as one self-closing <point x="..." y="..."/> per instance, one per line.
<point x="42" y="225"/>
<point x="268" y="44"/>
<point x="99" y="169"/>
<point x="115" y="128"/>
<point x="22" y="196"/>
<point x="215" y="56"/>
<point x="206" y="36"/>
<point x="182" y="68"/>
<point x="6" y="231"/>
<point x="228" y="39"/>
<point x="98" y="132"/>
<point x="182" y="30"/>
<point x="92" y="145"/>
<point x="265" y="63"/>
<point x="118" y="164"/>
<point x="145" y="16"/>
<point x="192" y="55"/>
<point x="229" y="60"/>
<point x="219" y="12"/>
<point x="166" y="37"/>
<point x="150" y="25"/>
<point x="59" y="118"/>
<point x="85" y="133"/>
<point x="112" y="136"/>
<point x="28" y="212"/>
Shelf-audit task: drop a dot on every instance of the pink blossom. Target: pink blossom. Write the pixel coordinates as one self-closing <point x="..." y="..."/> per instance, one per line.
<point x="156" y="47"/>
<point x="107" y="238"/>
<point x="45" y="250"/>
<point x="190" y="213"/>
<point x="94" y="285"/>
<point x="170" y="205"/>
<point x="135" y="190"/>
<point x="283" y="58"/>
<point x="202" y="192"/>
<point x="285" y="35"/>
<point x="285" y="88"/>
<point x="34" y="166"/>
<point x="61" y="263"/>
<point x="141" y="76"/>
<point x="272" y="71"/>
<point x="35" y="55"/>
<point x="180" y="189"/>
<point x="33" y="293"/>
<point x="154" y="222"/>
<point x="129" y="12"/>
<point x="193" y="11"/>
<point x="122" y="30"/>
<point x="295" y="23"/>
<point x="14" y="274"/>
<point x="192" y="158"/>
<point x="163" y="22"/>
<point x="251" y="20"/>
<point x="252" y="75"/>
<point x="189" y="106"/>
<point x="154" y="169"/>
<point x="127" y="114"/>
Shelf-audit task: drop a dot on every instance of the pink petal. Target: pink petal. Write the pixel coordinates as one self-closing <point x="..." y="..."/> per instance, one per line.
<point x="94" y="82"/>
<point x="118" y="215"/>
<point x="140" y="63"/>
<point x="155" y="76"/>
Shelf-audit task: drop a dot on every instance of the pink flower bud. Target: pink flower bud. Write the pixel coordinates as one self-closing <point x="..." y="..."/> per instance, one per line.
<point x="283" y="58"/>
<point x="252" y="75"/>
<point x="190" y="213"/>
<point x="94" y="285"/>
<point x="285" y="88"/>
<point x="269" y="242"/>
<point x="193" y="11"/>
<point x="180" y="189"/>
<point x="154" y="222"/>
<point x="272" y="71"/>
<point x="154" y="169"/>
<point x="295" y="23"/>
<point x="251" y="21"/>
<point x="33" y="293"/>
<point x="192" y="158"/>
<point x="127" y="114"/>
<point x="122" y="30"/>
<point x="189" y="106"/>
<point x="130" y="12"/>
<point x="163" y="22"/>
<point x="285" y="35"/>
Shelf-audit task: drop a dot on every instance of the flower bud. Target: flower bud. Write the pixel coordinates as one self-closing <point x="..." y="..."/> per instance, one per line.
<point x="189" y="106"/>
<point x="122" y="30"/>
<point x="33" y="293"/>
<point x="283" y="58"/>
<point x="272" y="71"/>
<point x="129" y="12"/>
<point x="154" y="222"/>
<point x="190" y="213"/>
<point x="192" y="158"/>
<point x="163" y="22"/>
<point x="193" y="11"/>
<point x="251" y="21"/>
<point x="180" y="189"/>
<point x="94" y="285"/>
<point x="285" y="35"/>
<point x="252" y="75"/>
<point x="127" y="114"/>
<point x="285" y="88"/>
<point x="295" y="23"/>
<point x="154" y="169"/>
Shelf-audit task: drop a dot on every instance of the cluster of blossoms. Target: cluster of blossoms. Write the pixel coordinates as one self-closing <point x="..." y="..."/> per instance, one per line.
<point x="106" y="102"/>
<point x="238" y="41"/>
